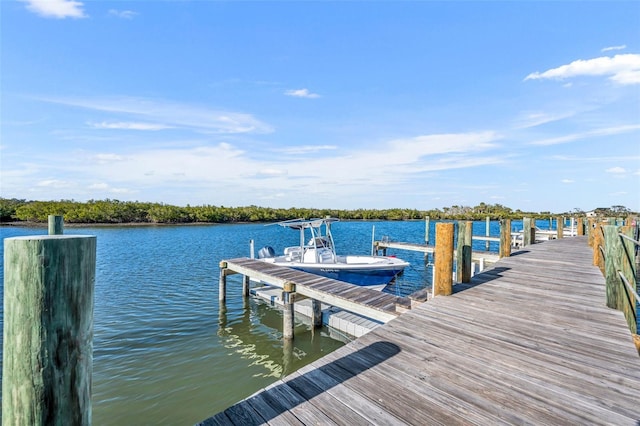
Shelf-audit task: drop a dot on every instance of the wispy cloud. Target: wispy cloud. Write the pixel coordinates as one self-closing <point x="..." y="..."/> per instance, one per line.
<point x="107" y="158"/>
<point x="306" y="149"/>
<point x="593" y="133"/>
<point x="58" y="9"/>
<point x="568" y="181"/>
<point x="172" y="114"/>
<point x="123" y="14"/>
<point x="54" y="183"/>
<point x="533" y="119"/>
<point x="610" y="48"/>
<point x="622" y="69"/>
<point x="129" y="126"/>
<point x="106" y="188"/>
<point x="271" y="173"/>
<point x="616" y="170"/>
<point x="301" y="93"/>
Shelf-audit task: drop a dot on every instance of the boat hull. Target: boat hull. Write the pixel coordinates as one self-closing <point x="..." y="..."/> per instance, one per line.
<point x="368" y="278"/>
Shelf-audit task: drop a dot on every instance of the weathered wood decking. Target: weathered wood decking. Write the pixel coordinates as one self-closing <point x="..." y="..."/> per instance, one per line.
<point x="528" y="342"/>
<point x="371" y="303"/>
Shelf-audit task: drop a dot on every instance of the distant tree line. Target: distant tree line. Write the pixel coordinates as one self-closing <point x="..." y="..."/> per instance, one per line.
<point x="115" y="211"/>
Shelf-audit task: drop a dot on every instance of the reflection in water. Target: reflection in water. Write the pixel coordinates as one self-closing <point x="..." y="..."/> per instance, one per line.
<point x="255" y="334"/>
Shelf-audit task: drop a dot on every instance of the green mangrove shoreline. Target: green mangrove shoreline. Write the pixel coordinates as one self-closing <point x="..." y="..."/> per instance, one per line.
<point x="134" y="213"/>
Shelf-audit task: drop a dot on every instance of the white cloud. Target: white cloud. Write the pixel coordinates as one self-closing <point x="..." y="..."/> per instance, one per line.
<point x="533" y="119"/>
<point x="568" y="181"/>
<point x="105" y="187"/>
<point x="107" y="158"/>
<point x="616" y="170"/>
<point x="306" y="149"/>
<point x="622" y="69"/>
<point x="307" y="180"/>
<point x="172" y="114"/>
<point x="124" y="14"/>
<point x="54" y="183"/>
<point x="267" y="172"/>
<point x="593" y="133"/>
<point x="301" y="93"/>
<point x="129" y="126"/>
<point x="610" y="48"/>
<point x="59" y="9"/>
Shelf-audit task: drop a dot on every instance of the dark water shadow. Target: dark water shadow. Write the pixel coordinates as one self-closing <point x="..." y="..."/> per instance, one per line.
<point x="267" y="405"/>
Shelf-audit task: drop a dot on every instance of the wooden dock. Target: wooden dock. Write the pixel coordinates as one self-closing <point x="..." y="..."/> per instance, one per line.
<point x="370" y="303"/>
<point x="527" y="342"/>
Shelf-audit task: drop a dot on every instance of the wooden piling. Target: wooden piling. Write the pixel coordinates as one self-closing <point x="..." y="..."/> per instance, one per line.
<point x="246" y="284"/>
<point x="288" y="297"/>
<point x="426" y="230"/>
<point x="560" y="227"/>
<point x="591" y="224"/>
<point x="598" y="247"/>
<point x="580" y="226"/>
<point x="56" y="225"/>
<point x="487" y="232"/>
<point x="316" y="313"/>
<point x="612" y="256"/>
<point x="505" y="238"/>
<point x="528" y="237"/>
<point x="48" y="329"/>
<point x="443" y="267"/>
<point x="463" y="252"/>
<point x="222" y="283"/>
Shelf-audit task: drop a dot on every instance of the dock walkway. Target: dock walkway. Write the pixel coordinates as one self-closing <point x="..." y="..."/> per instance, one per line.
<point x="527" y="342"/>
<point x="371" y="303"/>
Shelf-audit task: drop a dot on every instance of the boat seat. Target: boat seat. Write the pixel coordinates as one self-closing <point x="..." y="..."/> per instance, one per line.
<point x="293" y="253"/>
<point x="325" y="256"/>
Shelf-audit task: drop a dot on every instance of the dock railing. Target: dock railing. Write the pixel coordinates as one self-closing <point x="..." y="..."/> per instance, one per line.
<point x="616" y="251"/>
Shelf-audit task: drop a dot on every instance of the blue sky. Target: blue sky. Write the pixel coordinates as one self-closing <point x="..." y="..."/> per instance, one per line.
<point x="532" y="105"/>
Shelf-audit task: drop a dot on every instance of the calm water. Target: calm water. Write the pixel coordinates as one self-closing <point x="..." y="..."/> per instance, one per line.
<point x="165" y="353"/>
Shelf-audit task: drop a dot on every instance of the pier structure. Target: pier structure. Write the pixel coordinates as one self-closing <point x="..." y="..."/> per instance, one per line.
<point x="370" y="304"/>
<point x="542" y="337"/>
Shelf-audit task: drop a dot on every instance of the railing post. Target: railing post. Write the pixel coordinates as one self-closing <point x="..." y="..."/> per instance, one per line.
<point x="463" y="252"/>
<point x="48" y="329"/>
<point x="443" y="264"/>
<point x="505" y="237"/>
<point x="56" y="225"/>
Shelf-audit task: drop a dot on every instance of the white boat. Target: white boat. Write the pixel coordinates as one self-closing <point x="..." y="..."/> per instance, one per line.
<point x="317" y="256"/>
